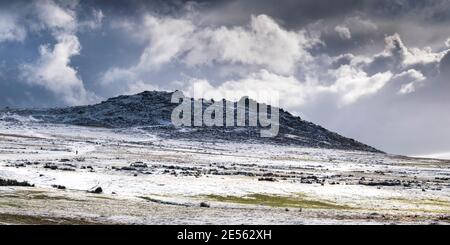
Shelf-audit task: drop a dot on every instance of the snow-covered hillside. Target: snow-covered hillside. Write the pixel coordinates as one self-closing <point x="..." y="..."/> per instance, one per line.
<point x="152" y="111"/>
<point x="52" y="174"/>
<point x="121" y="161"/>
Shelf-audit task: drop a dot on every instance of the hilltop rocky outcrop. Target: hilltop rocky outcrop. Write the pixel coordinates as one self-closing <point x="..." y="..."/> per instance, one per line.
<point x="151" y="111"/>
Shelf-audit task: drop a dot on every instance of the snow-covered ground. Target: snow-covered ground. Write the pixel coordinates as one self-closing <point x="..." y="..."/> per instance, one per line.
<point x="152" y="180"/>
<point x="440" y="155"/>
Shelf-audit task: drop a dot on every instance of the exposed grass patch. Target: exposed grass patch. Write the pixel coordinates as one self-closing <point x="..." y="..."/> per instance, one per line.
<point x="421" y="164"/>
<point x="149" y="199"/>
<point x="430" y="211"/>
<point x="8" y="196"/>
<point x="298" y="201"/>
<point x="19" y="219"/>
<point x="427" y="202"/>
<point x="20" y="136"/>
<point x="31" y="192"/>
<point x="9" y="205"/>
<point x="102" y="197"/>
<point x="435" y="202"/>
<point x="9" y="200"/>
<point x="52" y="198"/>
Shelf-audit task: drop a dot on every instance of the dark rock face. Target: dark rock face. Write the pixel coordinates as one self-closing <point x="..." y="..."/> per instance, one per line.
<point x="152" y="112"/>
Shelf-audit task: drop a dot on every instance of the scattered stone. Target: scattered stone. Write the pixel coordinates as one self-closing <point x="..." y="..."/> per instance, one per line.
<point x="59" y="187"/>
<point x="70" y="165"/>
<point x="204" y="205"/>
<point x="381" y="183"/>
<point x="250" y="174"/>
<point x="97" y="190"/>
<point x="138" y="165"/>
<point x="67" y="169"/>
<point x="51" y="166"/>
<point x="443" y="178"/>
<point x="444" y="217"/>
<point x="267" y="179"/>
<point x="80" y="159"/>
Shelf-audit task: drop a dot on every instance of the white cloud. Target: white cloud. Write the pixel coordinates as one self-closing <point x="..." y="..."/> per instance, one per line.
<point x="343" y="32"/>
<point x="125" y="81"/>
<point x="10" y="29"/>
<point x="271" y="58"/>
<point x="264" y="43"/>
<point x="353" y="83"/>
<point x="447" y="43"/>
<point x="350" y="85"/>
<point x="413" y="79"/>
<point x="407" y="65"/>
<point x="139" y="86"/>
<point x="359" y="24"/>
<point x="422" y="56"/>
<point x="407" y="57"/>
<point x="55" y="17"/>
<point x="52" y="70"/>
<point x="168" y="38"/>
<point x="292" y="92"/>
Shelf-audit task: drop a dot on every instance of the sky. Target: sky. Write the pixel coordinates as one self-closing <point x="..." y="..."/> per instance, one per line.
<point x="377" y="71"/>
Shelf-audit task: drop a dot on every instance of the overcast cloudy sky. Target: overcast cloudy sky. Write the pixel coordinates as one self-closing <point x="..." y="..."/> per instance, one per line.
<point x="377" y="71"/>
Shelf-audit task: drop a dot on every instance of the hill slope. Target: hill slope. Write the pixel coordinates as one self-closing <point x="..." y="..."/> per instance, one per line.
<point x="152" y="112"/>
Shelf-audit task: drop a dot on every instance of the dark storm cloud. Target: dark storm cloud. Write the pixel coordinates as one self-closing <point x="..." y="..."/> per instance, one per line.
<point x="291" y="13"/>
